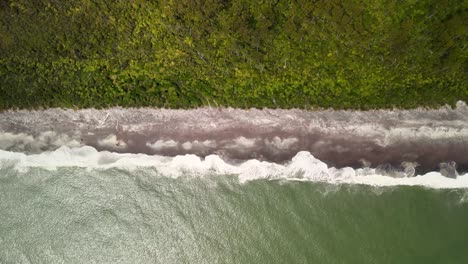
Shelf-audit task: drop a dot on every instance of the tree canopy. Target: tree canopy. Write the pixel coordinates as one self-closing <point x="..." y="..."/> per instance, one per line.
<point x="240" y="53"/>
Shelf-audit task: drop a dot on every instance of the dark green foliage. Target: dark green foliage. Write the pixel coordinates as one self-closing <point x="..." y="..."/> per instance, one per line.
<point x="271" y="53"/>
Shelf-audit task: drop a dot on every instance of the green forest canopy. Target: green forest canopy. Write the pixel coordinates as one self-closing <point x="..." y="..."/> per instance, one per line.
<point x="241" y="53"/>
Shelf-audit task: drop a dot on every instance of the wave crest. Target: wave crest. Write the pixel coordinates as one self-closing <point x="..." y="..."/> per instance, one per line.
<point x="303" y="167"/>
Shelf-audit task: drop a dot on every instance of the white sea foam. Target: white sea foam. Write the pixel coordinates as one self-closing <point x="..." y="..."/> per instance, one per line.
<point x="281" y="144"/>
<point x="112" y="142"/>
<point x="242" y="143"/>
<point x="188" y="145"/>
<point x="303" y="167"/>
<point x="163" y="144"/>
<point x="22" y="141"/>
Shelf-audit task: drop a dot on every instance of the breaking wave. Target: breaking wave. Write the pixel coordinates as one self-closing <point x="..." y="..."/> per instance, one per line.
<point x="302" y="167"/>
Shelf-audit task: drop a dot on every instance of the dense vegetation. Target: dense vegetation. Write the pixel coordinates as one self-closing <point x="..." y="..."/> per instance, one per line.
<point x="240" y="53"/>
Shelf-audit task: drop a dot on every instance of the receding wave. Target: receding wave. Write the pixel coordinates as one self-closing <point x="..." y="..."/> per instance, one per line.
<point x="302" y="167"/>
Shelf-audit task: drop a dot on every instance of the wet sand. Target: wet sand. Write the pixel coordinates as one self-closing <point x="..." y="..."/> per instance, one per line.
<point x="380" y="138"/>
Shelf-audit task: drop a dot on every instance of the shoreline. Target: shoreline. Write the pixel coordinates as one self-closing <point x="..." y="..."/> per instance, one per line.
<point x="385" y="138"/>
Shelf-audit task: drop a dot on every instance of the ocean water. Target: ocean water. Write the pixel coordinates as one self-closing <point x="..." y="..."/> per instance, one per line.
<point x="116" y="212"/>
<point x="234" y="186"/>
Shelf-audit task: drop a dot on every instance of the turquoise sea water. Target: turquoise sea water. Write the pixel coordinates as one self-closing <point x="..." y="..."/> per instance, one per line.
<point x="75" y="215"/>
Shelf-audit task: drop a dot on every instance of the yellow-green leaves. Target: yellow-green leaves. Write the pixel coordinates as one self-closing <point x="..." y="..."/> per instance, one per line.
<point x="184" y="53"/>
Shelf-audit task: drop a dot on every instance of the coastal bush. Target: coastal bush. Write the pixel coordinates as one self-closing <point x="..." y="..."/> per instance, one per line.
<point x="271" y="53"/>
